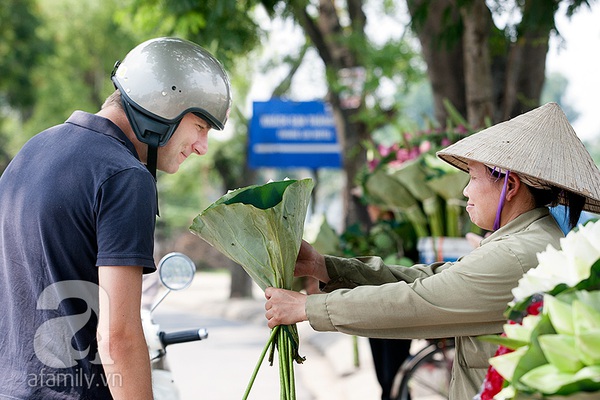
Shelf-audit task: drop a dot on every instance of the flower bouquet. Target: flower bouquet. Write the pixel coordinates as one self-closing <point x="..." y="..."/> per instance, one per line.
<point x="260" y="227"/>
<point x="550" y="347"/>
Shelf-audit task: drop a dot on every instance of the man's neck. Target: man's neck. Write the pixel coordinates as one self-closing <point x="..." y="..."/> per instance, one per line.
<point x="118" y="117"/>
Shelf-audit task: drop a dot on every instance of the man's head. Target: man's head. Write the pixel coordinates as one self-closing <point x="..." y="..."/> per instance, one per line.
<point x="190" y="136"/>
<point x="163" y="80"/>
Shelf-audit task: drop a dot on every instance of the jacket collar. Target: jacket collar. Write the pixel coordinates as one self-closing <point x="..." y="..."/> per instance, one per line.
<point x="519" y="223"/>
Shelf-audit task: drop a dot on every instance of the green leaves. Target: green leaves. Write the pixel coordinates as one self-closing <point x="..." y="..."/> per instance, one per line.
<point x="262" y="197"/>
<point x="260" y="227"/>
<point x="391" y="194"/>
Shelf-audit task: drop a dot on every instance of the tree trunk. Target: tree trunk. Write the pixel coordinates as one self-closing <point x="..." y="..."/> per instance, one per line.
<point x="351" y="134"/>
<point x="526" y="67"/>
<point x="442" y="53"/>
<point x="324" y="32"/>
<point x="456" y="47"/>
<point x="241" y="283"/>
<point x="477" y="20"/>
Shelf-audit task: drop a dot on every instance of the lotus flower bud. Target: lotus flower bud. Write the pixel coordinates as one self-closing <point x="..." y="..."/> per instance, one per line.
<point x="560" y="314"/>
<point x="560" y="351"/>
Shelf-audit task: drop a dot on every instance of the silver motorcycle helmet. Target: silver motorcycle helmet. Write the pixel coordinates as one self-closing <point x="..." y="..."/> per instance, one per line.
<point x="163" y="79"/>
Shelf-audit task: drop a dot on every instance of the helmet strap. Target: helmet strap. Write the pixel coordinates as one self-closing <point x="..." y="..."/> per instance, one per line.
<point x="148" y="129"/>
<point x="151" y="161"/>
<point x="152" y="157"/>
<point x="501" y="202"/>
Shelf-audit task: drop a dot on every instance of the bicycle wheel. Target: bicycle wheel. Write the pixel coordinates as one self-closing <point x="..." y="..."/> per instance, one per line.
<point x="428" y="376"/>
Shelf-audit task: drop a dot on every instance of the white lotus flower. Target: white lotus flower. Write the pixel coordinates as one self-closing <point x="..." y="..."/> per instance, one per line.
<point x="552" y="270"/>
<point x="570" y="265"/>
<point x="508" y="393"/>
<point x="591" y="232"/>
<point x="530" y="284"/>
<point x="582" y="250"/>
<point x="565" y="350"/>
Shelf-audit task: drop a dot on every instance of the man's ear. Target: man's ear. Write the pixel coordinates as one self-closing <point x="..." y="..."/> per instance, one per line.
<point x="513" y="186"/>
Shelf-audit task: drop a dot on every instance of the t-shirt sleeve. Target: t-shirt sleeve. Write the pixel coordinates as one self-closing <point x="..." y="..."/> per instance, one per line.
<point x="126" y="207"/>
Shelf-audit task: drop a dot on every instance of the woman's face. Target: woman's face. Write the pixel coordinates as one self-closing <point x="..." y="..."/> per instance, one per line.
<point x="483" y="195"/>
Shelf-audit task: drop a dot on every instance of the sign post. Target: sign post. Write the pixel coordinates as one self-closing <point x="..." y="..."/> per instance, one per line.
<point x="287" y="134"/>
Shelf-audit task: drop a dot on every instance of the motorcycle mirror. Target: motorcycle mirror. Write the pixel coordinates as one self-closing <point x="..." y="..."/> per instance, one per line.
<point x="176" y="271"/>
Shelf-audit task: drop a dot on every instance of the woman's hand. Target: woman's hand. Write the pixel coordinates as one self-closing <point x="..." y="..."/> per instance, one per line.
<point x="284" y="307"/>
<point x="311" y="263"/>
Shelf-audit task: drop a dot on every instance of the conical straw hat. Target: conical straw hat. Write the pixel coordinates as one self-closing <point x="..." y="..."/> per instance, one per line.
<point x="540" y="146"/>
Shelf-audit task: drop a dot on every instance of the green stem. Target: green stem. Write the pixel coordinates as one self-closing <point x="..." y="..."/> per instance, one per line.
<point x="260" y="360"/>
<point x="418" y="220"/>
<point x="356" y="354"/>
<point x="452" y="215"/>
<point x="284" y="357"/>
<point x="432" y="208"/>
<point x="292" y="375"/>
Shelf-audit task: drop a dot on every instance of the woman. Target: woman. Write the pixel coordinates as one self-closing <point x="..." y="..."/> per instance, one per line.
<point x="517" y="169"/>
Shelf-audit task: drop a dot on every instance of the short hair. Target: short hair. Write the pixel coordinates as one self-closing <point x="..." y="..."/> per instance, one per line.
<point x="114" y="100"/>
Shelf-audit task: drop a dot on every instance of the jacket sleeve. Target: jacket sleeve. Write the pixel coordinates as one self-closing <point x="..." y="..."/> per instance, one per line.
<point x="464" y="298"/>
<point x="352" y="272"/>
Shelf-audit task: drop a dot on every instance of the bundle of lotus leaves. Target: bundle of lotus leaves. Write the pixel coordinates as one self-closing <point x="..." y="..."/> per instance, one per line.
<point x="260" y="227"/>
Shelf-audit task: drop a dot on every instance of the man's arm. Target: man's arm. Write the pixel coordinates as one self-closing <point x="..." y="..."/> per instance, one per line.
<point x="121" y="341"/>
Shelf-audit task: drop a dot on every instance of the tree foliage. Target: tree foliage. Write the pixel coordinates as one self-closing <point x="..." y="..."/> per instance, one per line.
<point x="21" y="49"/>
<point x="76" y="74"/>
<point x="21" y="45"/>
<point x="226" y="28"/>
<point x="486" y="70"/>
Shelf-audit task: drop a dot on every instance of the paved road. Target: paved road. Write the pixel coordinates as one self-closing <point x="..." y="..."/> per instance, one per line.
<point x="221" y="366"/>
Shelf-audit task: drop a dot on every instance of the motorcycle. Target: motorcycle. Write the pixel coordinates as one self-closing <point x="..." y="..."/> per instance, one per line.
<point x="176" y="272"/>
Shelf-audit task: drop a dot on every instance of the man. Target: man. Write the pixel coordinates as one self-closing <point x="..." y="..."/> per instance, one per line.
<point x="77" y="219"/>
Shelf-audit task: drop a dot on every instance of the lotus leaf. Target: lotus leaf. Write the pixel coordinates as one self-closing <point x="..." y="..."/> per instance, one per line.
<point x="260" y="227"/>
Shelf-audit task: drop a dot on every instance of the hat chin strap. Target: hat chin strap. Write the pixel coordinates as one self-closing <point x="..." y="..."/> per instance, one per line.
<point x="501" y="202"/>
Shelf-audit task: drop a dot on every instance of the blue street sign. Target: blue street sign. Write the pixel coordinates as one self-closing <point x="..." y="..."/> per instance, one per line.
<point x="289" y="134"/>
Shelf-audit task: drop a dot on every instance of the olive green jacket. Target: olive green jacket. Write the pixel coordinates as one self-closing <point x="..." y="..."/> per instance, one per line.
<point x="464" y="299"/>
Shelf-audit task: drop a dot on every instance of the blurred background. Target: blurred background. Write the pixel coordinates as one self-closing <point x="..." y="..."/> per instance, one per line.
<point x="392" y="82"/>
